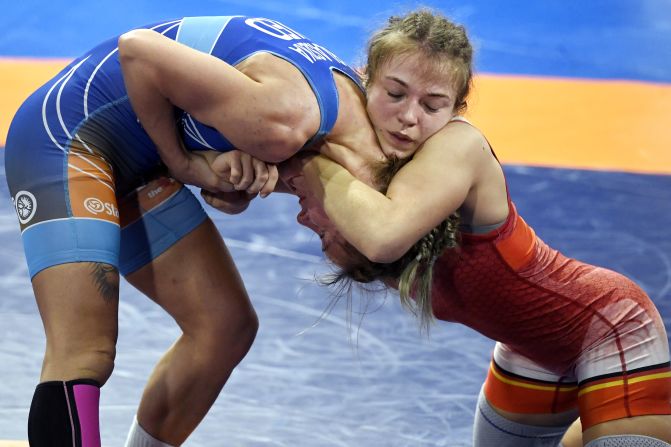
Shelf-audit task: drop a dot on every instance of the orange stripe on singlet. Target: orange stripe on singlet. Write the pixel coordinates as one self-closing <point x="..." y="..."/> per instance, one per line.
<point x="527" y="396"/>
<point x="645" y="393"/>
<point x="517" y="249"/>
<point x="91" y="186"/>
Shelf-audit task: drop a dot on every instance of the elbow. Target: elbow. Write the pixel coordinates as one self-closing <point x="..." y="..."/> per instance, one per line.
<point x="292" y="123"/>
<point x="384" y="237"/>
<point x="282" y="141"/>
<point x="130" y="43"/>
<point x="383" y="255"/>
<point x="126" y="45"/>
<point x="383" y="250"/>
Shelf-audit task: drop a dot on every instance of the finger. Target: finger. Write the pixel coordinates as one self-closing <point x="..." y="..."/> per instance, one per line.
<point x="221" y="164"/>
<point x="260" y="176"/>
<point x="232" y="203"/>
<point x="207" y="196"/>
<point x="236" y="170"/>
<point x="247" y="172"/>
<point x="273" y="177"/>
<point x="224" y="186"/>
<point x="217" y="202"/>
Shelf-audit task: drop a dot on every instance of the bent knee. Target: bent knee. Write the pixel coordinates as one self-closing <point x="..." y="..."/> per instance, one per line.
<point x="241" y="328"/>
<point x="227" y="329"/>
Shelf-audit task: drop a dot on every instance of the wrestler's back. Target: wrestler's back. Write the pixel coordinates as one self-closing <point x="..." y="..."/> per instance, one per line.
<point x="87" y="101"/>
<point x="512" y="287"/>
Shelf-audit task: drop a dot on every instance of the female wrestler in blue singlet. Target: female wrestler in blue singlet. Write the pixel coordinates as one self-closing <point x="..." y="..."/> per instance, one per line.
<point x="84" y="170"/>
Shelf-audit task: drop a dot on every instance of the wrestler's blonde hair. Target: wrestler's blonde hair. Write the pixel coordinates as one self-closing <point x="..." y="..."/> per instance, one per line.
<point x="444" y="44"/>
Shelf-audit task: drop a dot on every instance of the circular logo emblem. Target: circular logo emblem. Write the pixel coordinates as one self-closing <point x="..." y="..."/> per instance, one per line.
<point x="26" y="205"/>
<point x="96" y="206"/>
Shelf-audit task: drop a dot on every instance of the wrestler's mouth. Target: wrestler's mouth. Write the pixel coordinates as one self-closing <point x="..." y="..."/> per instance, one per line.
<point x="400" y="138"/>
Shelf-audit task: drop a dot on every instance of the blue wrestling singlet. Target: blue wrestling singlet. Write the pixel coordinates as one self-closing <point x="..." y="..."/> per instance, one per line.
<point x="76" y="150"/>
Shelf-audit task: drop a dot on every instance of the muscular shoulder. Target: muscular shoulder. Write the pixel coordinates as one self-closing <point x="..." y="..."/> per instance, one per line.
<point x="293" y="95"/>
<point x="456" y="141"/>
<point x="286" y="104"/>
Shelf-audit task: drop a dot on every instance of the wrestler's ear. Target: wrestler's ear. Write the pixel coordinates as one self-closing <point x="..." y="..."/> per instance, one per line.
<point x="361" y="73"/>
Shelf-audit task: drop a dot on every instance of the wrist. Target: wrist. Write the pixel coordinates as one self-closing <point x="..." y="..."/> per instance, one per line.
<point x="179" y="164"/>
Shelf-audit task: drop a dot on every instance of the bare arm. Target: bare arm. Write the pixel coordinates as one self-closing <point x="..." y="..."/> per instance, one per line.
<point x="161" y="74"/>
<point x="424" y="193"/>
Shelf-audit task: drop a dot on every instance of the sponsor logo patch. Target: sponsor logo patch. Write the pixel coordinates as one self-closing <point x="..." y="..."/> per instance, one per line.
<point x="26" y="205"/>
<point x="97" y="206"/>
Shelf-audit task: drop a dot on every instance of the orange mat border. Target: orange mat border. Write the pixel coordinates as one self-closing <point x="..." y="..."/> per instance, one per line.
<point x="538" y="121"/>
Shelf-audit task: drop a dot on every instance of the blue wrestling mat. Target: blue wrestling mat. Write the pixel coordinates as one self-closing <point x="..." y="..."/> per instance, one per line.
<point x="314" y="379"/>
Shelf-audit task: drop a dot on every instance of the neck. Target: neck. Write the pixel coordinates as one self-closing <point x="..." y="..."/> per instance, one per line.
<point x="352" y="143"/>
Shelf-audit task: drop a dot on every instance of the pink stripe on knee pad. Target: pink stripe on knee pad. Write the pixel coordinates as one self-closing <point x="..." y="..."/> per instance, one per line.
<point x="87" y="398"/>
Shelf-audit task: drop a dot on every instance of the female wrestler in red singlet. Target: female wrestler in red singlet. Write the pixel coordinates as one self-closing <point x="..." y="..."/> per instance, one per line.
<point x="573" y="339"/>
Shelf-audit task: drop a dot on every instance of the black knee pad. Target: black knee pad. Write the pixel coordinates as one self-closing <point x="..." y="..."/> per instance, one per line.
<point x="54" y="419"/>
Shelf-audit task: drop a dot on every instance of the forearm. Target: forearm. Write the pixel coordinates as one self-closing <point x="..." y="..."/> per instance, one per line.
<point x="364" y="216"/>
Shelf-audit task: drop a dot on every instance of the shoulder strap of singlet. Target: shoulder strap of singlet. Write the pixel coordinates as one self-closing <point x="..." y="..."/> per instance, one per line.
<point x="329" y="104"/>
<point x="202" y="33"/>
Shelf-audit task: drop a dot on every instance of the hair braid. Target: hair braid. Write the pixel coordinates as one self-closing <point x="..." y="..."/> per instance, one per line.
<point x="414" y="270"/>
<point x="416" y="276"/>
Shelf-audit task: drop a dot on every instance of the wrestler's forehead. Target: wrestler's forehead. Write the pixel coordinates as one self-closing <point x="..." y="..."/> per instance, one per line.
<point x="417" y="68"/>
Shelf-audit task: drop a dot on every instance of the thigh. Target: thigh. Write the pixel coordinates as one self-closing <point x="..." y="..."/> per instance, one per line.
<point x="78" y="303"/>
<point x="173" y="253"/>
<point x="65" y="201"/>
<point x="63" y="193"/>
<point x="155" y="217"/>
<point x="525" y="392"/>
<point x="626" y="374"/>
<point x="654" y="426"/>
<point x="196" y="281"/>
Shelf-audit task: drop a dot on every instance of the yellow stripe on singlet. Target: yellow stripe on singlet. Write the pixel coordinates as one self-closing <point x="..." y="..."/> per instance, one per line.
<point x="508" y="381"/>
<point x="620" y="382"/>
<point x="538" y="121"/>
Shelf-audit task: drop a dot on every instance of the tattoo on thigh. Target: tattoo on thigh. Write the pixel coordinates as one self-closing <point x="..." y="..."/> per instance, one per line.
<point x="106" y="279"/>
